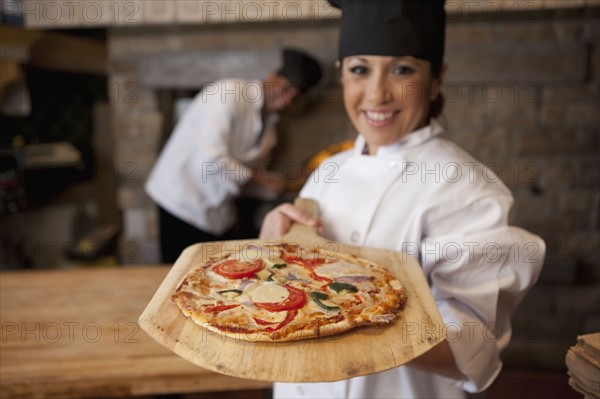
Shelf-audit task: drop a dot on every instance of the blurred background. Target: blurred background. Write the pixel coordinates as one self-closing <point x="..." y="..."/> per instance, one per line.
<point x="91" y="91"/>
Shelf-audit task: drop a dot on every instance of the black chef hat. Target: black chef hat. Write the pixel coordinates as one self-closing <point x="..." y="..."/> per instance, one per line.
<point x="300" y="69"/>
<point x="393" y="28"/>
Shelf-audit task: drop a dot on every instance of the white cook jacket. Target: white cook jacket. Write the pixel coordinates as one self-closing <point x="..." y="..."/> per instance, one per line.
<point x="210" y="154"/>
<point x="427" y="197"/>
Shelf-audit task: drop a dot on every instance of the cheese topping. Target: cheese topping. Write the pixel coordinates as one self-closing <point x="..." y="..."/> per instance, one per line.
<point x="271" y="293"/>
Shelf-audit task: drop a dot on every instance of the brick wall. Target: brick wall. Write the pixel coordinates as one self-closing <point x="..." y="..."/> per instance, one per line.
<point x="522" y="95"/>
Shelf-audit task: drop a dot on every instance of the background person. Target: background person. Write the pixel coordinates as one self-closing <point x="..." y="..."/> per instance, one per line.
<point x="218" y="149"/>
<point x="478" y="267"/>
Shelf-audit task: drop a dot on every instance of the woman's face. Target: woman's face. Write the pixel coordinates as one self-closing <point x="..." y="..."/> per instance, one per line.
<point x="387" y="97"/>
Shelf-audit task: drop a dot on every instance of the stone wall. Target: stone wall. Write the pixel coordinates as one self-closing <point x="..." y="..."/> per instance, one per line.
<point x="522" y="95"/>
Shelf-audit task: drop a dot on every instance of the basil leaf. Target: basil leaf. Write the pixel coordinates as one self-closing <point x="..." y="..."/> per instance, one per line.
<point x="318" y="297"/>
<point x="339" y="287"/>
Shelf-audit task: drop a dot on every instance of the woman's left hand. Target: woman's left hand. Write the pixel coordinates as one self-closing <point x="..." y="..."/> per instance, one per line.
<point x="279" y="221"/>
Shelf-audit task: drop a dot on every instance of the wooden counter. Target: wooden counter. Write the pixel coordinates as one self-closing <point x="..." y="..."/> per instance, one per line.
<point x="73" y="334"/>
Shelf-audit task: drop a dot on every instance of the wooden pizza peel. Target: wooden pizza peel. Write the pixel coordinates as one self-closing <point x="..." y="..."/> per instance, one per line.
<point x="357" y="352"/>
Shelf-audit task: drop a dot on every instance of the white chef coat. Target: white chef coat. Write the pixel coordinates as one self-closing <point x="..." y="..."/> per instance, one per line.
<point x="211" y="153"/>
<point x="425" y="196"/>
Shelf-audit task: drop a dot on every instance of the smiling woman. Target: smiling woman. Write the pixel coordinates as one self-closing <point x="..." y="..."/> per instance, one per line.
<point x="391" y="59"/>
<point x="388" y="97"/>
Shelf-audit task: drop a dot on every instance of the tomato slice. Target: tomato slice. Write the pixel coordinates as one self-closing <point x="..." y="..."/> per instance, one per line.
<point x="262" y="322"/>
<point x="291" y="315"/>
<point x="237" y="269"/>
<point x="358" y="298"/>
<point x="308" y="264"/>
<point x="295" y="300"/>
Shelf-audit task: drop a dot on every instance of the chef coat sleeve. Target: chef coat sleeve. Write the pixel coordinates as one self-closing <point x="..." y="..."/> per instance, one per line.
<point x="219" y="172"/>
<point x="479" y="269"/>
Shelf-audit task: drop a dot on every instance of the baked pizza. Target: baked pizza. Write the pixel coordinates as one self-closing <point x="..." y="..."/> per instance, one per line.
<point x="286" y="292"/>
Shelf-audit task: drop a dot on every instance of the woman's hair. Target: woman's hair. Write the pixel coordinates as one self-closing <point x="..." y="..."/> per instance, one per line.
<point x="437" y="105"/>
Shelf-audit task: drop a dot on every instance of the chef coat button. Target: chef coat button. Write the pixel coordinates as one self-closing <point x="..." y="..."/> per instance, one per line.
<point x="394" y="167"/>
<point x="355" y="236"/>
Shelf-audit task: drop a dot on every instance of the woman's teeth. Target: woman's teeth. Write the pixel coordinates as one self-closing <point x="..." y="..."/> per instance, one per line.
<point x="379" y="116"/>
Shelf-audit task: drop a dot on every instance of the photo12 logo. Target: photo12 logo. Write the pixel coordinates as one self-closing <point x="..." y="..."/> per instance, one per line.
<point x="253" y="11"/>
<point x="54" y="332"/>
<point x="492" y="11"/>
<point x="67" y="12"/>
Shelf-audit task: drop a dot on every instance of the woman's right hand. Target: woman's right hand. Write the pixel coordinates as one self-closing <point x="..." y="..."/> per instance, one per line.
<point x="279" y="221"/>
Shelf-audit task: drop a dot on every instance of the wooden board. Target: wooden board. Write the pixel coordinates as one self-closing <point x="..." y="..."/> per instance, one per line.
<point x="73" y="334"/>
<point x="357" y="352"/>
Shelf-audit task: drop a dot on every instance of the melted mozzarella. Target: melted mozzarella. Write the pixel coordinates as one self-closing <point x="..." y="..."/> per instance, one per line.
<point x="272" y="293"/>
<point x="311" y="307"/>
<point x="265" y="315"/>
<point x="217" y="278"/>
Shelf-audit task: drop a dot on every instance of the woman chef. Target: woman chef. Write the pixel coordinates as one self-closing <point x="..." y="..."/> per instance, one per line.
<point x="404" y="187"/>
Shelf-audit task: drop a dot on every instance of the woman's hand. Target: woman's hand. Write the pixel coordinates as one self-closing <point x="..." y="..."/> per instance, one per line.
<point x="280" y="220"/>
